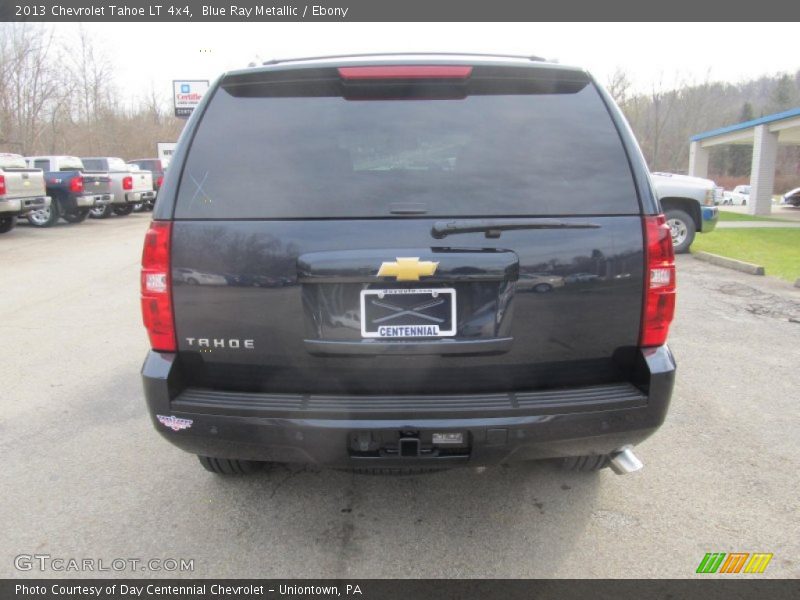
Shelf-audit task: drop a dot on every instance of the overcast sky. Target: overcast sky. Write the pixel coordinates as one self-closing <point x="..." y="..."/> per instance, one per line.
<point x="148" y="55"/>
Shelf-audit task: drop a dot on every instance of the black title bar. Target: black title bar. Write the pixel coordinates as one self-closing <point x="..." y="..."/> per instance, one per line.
<point x="402" y="10"/>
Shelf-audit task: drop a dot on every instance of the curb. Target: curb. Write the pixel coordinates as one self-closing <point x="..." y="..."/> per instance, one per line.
<point x="731" y="263"/>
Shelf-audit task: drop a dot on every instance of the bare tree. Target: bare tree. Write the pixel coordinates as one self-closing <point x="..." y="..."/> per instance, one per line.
<point x="619" y="86"/>
<point x="33" y="86"/>
<point x="93" y="71"/>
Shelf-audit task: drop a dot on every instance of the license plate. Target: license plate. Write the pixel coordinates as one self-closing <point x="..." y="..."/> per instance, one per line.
<point x="408" y="313"/>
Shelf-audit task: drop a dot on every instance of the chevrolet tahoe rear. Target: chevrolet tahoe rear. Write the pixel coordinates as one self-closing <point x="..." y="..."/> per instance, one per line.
<point x="408" y="262"/>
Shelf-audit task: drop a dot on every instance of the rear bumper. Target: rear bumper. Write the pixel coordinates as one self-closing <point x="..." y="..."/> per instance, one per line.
<point x="93" y="200"/>
<point x="709" y="215"/>
<point x="20" y="206"/>
<point x="355" y="431"/>
<point x="136" y="197"/>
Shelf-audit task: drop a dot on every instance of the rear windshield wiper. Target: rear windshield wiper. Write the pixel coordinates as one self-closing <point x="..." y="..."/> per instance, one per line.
<point x="493" y="227"/>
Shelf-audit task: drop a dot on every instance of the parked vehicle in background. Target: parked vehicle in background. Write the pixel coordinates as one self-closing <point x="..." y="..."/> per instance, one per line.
<point x="74" y="190"/>
<point x="128" y="186"/>
<point x="539" y="282"/>
<point x="738" y="197"/>
<point x="792" y="197"/>
<point x="22" y="190"/>
<point x="157" y="168"/>
<point x="195" y="277"/>
<point x="396" y="335"/>
<point x="689" y="204"/>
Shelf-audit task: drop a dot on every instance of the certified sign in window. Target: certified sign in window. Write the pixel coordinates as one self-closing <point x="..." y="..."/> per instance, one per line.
<point x="187" y="95"/>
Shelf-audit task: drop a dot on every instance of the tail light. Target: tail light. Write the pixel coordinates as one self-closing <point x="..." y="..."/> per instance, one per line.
<point x="157" y="287"/>
<point x="659" y="301"/>
<point x="2" y="185"/>
<point x="127" y="183"/>
<point x="159" y="181"/>
<point x="76" y="184"/>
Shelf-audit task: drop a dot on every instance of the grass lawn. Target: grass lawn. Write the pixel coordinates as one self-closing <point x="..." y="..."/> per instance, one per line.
<point x="732" y="216"/>
<point x="777" y="250"/>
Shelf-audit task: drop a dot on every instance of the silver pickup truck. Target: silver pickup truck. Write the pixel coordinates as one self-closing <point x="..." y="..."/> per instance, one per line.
<point x="689" y="204"/>
<point x="21" y="190"/>
<point x="130" y="187"/>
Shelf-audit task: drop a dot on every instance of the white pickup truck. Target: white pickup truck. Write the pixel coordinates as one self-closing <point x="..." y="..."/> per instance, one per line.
<point x="22" y="190"/>
<point x="130" y="187"/>
<point x="738" y="197"/>
<point x="689" y="204"/>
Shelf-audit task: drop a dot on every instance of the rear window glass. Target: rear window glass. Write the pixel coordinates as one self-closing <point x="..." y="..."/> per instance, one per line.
<point x="147" y="165"/>
<point x="12" y="161"/>
<point x="94" y="164"/>
<point x="106" y="164"/>
<point x="70" y="163"/>
<point x="497" y="155"/>
<point x="117" y="164"/>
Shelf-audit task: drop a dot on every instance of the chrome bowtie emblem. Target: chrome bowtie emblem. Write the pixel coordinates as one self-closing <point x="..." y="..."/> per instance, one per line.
<point x="407" y="268"/>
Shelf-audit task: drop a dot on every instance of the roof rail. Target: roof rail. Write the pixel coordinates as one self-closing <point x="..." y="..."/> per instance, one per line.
<point x="276" y="61"/>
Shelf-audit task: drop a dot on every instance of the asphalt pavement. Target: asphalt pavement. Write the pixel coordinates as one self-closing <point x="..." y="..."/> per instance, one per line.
<point x="85" y="475"/>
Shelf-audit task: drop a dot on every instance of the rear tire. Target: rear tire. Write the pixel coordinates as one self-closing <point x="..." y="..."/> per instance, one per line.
<point x="45" y="217"/>
<point x="682" y="228"/>
<point x="123" y="211"/>
<point x="229" y="466"/>
<point x="7" y="224"/>
<point x="76" y="217"/>
<point x="101" y="212"/>
<point x="585" y="464"/>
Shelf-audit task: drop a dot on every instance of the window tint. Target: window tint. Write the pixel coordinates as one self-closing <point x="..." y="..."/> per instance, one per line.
<point x="12" y="161"/>
<point x="117" y="164"/>
<point x="285" y="157"/>
<point x="94" y="164"/>
<point x="70" y="163"/>
<point x="148" y="165"/>
<point x="44" y="165"/>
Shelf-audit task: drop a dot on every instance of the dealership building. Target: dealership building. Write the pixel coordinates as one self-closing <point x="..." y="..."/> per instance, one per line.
<point x="765" y="135"/>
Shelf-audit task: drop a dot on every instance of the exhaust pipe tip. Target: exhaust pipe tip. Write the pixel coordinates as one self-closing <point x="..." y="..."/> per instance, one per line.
<point x="625" y="461"/>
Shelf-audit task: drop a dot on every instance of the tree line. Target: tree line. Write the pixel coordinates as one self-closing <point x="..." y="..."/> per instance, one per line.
<point x="59" y="96"/>
<point x="670" y="112"/>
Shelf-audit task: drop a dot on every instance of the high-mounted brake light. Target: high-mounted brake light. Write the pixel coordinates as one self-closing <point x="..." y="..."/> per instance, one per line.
<point x="76" y="184"/>
<point x="2" y="185"/>
<point x="127" y="183"/>
<point x="659" y="302"/>
<point x="405" y="72"/>
<point x="156" y="284"/>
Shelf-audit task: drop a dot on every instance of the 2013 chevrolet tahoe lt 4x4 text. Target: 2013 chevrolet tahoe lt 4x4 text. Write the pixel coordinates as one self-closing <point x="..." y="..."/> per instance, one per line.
<point x="408" y="262"/>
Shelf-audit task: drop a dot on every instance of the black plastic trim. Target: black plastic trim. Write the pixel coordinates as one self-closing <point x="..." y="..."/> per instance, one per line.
<point x="587" y="399"/>
<point x="434" y="347"/>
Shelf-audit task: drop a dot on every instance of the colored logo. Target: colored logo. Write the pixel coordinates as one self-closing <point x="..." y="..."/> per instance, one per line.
<point x="174" y="423"/>
<point x="407" y="268"/>
<point x="185" y="88"/>
<point x="734" y="562"/>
